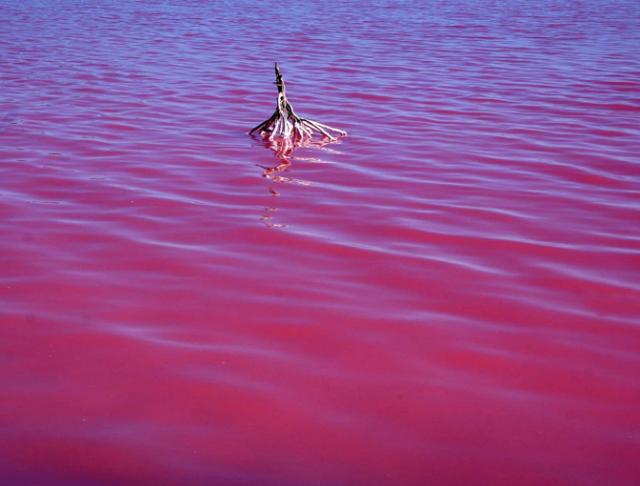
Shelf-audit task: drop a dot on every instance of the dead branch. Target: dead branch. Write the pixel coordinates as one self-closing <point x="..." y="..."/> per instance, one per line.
<point x="286" y="124"/>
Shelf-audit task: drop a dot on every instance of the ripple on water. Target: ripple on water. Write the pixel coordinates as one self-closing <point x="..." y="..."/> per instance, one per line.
<point x="456" y="278"/>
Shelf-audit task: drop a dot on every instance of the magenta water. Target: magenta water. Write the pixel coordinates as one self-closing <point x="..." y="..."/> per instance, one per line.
<point x="449" y="295"/>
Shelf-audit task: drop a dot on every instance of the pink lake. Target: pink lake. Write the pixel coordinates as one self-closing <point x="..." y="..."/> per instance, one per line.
<point x="449" y="295"/>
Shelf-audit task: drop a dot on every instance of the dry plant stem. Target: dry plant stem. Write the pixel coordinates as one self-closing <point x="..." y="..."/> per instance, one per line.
<point x="287" y="124"/>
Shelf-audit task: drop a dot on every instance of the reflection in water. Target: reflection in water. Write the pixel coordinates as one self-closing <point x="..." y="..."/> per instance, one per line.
<point x="267" y="218"/>
<point x="283" y="149"/>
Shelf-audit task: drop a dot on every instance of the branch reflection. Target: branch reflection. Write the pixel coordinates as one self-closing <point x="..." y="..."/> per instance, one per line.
<point x="283" y="149"/>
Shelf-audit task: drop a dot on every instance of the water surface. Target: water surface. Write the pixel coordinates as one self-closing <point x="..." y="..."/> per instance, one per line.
<point x="449" y="295"/>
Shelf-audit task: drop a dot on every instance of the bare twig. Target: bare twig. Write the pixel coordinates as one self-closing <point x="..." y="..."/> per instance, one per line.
<point x="286" y="124"/>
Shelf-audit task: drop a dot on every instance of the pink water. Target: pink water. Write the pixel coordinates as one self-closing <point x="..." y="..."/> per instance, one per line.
<point x="450" y="295"/>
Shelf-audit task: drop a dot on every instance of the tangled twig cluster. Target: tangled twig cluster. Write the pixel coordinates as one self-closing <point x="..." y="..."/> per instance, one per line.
<point x="285" y="124"/>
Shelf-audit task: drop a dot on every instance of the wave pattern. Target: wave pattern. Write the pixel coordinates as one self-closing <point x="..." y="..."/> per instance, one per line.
<point x="447" y="296"/>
